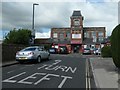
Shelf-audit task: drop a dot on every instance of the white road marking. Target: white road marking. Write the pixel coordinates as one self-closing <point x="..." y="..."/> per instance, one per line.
<point x="10" y="71"/>
<point x="63" y="81"/>
<point x="32" y="77"/>
<point x="57" y="61"/>
<point x="43" y="66"/>
<point x="13" y="81"/>
<point x="61" y="68"/>
<point x="46" y="78"/>
<point x="72" y="70"/>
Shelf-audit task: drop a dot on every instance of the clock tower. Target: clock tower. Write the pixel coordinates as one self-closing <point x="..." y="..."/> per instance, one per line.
<point x="76" y="29"/>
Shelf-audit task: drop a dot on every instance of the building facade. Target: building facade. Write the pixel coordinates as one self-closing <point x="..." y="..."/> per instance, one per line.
<point x="76" y="37"/>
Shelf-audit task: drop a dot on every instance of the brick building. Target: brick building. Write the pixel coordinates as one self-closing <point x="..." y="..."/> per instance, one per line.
<point x="76" y="37"/>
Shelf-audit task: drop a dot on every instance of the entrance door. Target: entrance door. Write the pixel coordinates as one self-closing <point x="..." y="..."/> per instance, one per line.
<point x="76" y="48"/>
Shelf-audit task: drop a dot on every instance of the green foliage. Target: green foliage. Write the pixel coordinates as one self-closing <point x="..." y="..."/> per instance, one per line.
<point x="115" y="45"/>
<point x="47" y="46"/>
<point x="106" y="51"/>
<point x="20" y="36"/>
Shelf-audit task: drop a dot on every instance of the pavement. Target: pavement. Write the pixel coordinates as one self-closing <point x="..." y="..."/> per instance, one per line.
<point x="105" y="74"/>
<point x="8" y="63"/>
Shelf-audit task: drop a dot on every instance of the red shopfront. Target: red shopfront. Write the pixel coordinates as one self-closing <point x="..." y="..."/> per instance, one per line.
<point x="76" y="46"/>
<point x="58" y="46"/>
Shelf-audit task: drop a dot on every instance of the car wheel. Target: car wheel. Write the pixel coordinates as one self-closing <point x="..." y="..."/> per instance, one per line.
<point x="39" y="59"/>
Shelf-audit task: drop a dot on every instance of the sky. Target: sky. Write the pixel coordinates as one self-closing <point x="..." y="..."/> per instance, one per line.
<point x="56" y="13"/>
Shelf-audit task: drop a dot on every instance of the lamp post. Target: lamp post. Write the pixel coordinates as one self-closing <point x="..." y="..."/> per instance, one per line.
<point x="33" y="30"/>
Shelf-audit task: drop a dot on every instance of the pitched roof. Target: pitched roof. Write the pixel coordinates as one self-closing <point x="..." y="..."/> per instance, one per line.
<point x="76" y="13"/>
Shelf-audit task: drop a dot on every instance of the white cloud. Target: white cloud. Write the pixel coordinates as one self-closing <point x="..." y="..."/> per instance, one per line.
<point x="43" y="0"/>
<point x="42" y="35"/>
<point x="111" y="0"/>
<point x="57" y="14"/>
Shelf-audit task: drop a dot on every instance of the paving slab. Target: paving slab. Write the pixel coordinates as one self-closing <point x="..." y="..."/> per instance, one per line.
<point x="105" y="73"/>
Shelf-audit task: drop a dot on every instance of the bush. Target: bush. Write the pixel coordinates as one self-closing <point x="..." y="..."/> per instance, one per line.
<point x="106" y="51"/>
<point x="21" y="36"/>
<point x="115" y="45"/>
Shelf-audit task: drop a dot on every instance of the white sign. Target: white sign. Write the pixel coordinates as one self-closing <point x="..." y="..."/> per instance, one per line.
<point x="56" y="46"/>
<point x="76" y="35"/>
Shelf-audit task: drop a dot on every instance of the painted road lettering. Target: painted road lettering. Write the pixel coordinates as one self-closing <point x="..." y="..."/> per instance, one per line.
<point x="13" y="81"/>
<point x="64" y="80"/>
<point x="46" y="77"/>
<point x="56" y="67"/>
<point x="32" y="77"/>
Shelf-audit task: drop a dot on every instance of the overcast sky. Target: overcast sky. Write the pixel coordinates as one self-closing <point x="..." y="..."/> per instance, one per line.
<point x="57" y="14"/>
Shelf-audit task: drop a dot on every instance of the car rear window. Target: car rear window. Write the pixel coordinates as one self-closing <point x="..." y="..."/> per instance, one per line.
<point x="29" y="49"/>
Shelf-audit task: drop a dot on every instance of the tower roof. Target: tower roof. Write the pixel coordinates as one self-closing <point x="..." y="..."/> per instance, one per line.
<point x="76" y="13"/>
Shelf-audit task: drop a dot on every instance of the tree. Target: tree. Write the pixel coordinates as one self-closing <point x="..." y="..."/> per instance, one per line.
<point x="115" y="45"/>
<point x="21" y="36"/>
<point x="106" y="51"/>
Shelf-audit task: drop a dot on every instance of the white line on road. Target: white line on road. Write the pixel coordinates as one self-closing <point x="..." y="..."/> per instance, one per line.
<point x="10" y="79"/>
<point x="10" y="71"/>
<point x="63" y="81"/>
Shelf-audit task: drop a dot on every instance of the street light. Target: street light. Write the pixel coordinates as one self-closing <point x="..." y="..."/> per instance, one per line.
<point x="33" y="30"/>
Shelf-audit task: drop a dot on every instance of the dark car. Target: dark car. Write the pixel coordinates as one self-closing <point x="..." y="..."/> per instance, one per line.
<point x="86" y="51"/>
<point x="53" y="50"/>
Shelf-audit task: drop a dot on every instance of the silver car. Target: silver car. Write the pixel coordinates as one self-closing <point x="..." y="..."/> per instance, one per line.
<point x="33" y="53"/>
<point x="86" y="51"/>
<point x="97" y="51"/>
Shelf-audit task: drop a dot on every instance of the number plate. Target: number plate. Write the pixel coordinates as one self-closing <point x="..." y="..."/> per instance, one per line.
<point x="23" y="58"/>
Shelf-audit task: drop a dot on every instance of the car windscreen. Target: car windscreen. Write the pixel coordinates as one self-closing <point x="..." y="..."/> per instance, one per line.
<point x="29" y="49"/>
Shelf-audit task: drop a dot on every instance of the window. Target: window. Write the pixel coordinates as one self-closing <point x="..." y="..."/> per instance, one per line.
<point x="68" y="35"/>
<point x="61" y="35"/>
<point x="87" y="35"/>
<point x="100" y="39"/>
<point x="55" y="35"/>
<point x="93" y="34"/>
<point x="76" y="22"/>
<point x="94" y="39"/>
<point x="100" y="34"/>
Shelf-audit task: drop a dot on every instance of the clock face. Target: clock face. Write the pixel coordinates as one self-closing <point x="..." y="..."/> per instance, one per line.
<point x="77" y="22"/>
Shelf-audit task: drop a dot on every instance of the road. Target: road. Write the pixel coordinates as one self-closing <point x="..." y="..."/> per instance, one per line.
<point x="62" y="71"/>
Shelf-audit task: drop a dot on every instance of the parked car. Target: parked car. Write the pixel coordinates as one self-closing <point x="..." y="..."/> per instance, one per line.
<point x="33" y="53"/>
<point x="53" y="50"/>
<point x="97" y="51"/>
<point x="86" y="51"/>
